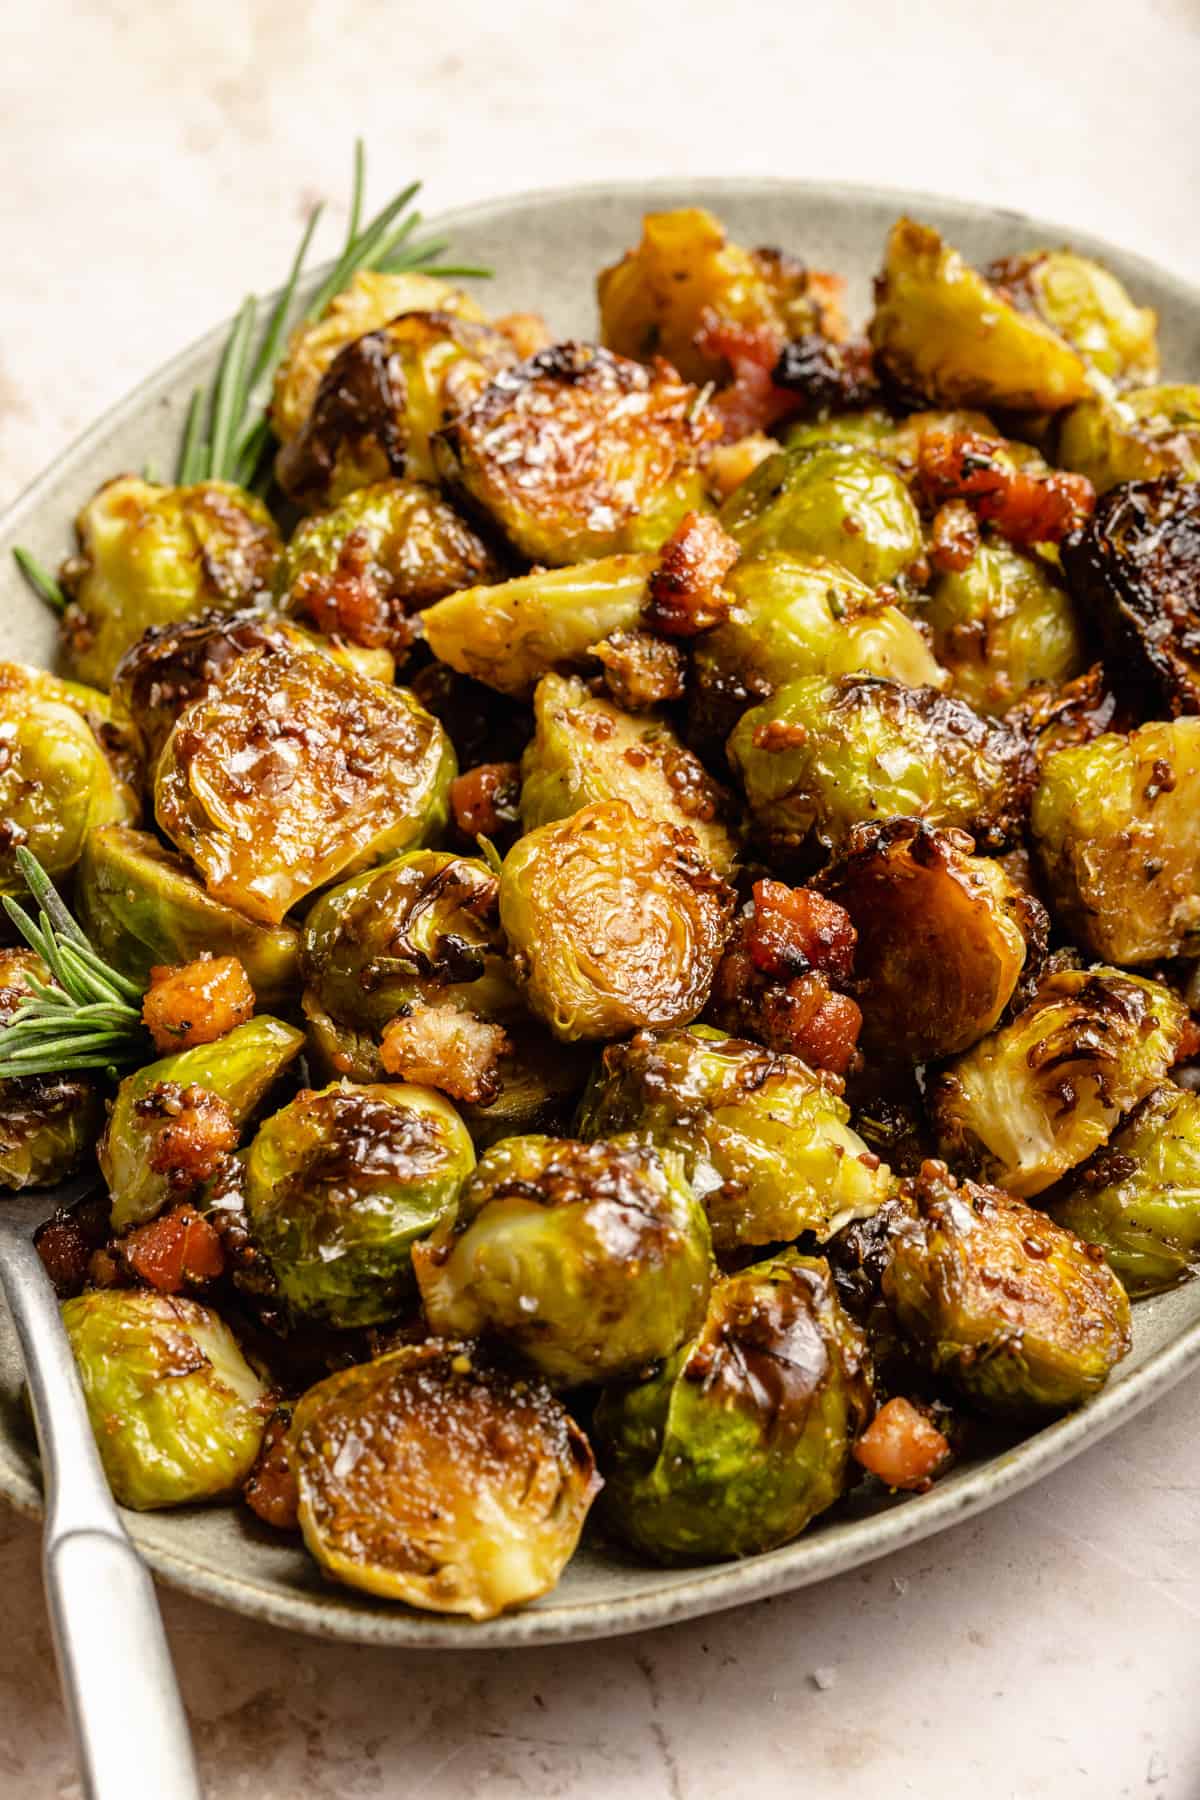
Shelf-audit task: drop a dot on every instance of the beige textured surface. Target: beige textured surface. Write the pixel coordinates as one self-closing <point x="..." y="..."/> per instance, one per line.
<point x="157" y="162"/>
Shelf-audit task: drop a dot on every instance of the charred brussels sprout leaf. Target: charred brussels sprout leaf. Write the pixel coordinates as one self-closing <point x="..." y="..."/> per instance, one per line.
<point x="766" y="1144"/>
<point x="745" y="1434"/>
<point x="339" y="1186"/>
<point x="578" y="453"/>
<point x="616" y="921"/>
<point x="832" y="501"/>
<point x="291" y="772"/>
<point x="1139" y="1197"/>
<point x="1003" y="624"/>
<point x="431" y="1477"/>
<point x="1038" y="1096"/>
<point x="1133" y="437"/>
<point x="1116" y="823"/>
<point x="592" y="1260"/>
<point x="942" y="331"/>
<point x="1085" y="304"/>
<point x="47" y="1122"/>
<point x="55" y="784"/>
<point x="150" y="555"/>
<point x="178" y="1413"/>
<point x="1016" y="1310"/>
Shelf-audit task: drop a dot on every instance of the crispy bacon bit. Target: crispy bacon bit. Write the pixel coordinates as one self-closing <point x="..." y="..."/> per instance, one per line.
<point x="353" y="602"/>
<point x="794" y="929"/>
<point x="175" y="1252"/>
<point x="751" y="402"/>
<point x="1026" y="508"/>
<point x="954" y="538"/>
<point x="67" y="1240"/>
<point x="728" y="465"/>
<point x="270" y="1489"/>
<point x="640" y="670"/>
<point x="527" y="332"/>
<point x="1189" y="1041"/>
<point x="441" y="1047"/>
<point x="485" y="800"/>
<point x="196" y="1002"/>
<point x="901" y="1446"/>
<point x="686" y="596"/>
<point x="195" y="1133"/>
<point x="825" y="377"/>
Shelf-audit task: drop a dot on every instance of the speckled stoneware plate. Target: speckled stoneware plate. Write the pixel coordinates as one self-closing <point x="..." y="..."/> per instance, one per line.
<point x="545" y="250"/>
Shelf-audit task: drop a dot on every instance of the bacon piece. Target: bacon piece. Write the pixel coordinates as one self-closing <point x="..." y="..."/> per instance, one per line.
<point x="901" y="1446"/>
<point x="794" y="929"/>
<point x="485" y="800"/>
<point x="177" y="1251"/>
<point x="1025" y="508"/>
<point x="195" y="1134"/>
<point x="196" y="1002"/>
<point x="270" y="1489"/>
<point x="686" y="595"/>
<point x="954" y="537"/>
<point x="442" y="1047"/>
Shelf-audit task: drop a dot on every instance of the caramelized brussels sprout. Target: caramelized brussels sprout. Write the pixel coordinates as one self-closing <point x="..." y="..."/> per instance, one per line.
<point x="1139" y="1197"/>
<point x="141" y="906"/>
<point x="1133" y="437"/>
<point x="55" y="784"/>
<point x="1036" y="1097"/>
<point x="1116" y="823"/>
<point x="833" y="501"/>
<point x="380" y="401"/>
<point x="586" y="749"/>
<point x="744" y="1435"/>
<point x="578" y="453"/>
<point x="941" y="937"/>
<point x="48" y="1123"/>
<point x="511" y="634"/>
<point x="828" y="755"/>
<point x="766" y="1144"/>
<point x="616" y="921"/>
<point x="1085" y="304"/>
<point x="174" y="1120"/>
<point x="339" y="1186"/>
<point x="177" y="1412"/>
<point x="1136" y="569"/>
<point x="1003" y="624"/>
<point x="539" y="1079"/>
<point x="1019" y="1313"/>
<point x="293" y="771"/>
<point x="592" y="1260"/>
<point x="105" y="713"/>
<point x="942" y="331"/>
<point x="433" y="1477"/>
<point x="149" y="555"/>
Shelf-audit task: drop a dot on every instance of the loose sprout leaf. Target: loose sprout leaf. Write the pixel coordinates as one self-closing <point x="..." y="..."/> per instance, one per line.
<point x="39" y="578"/>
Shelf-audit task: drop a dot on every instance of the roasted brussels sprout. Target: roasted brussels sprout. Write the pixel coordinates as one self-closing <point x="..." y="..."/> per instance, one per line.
<point x="1136" y="569"/>
<point x="433" y="1477"/>
<point x="1085" y="304"/>
<point x="539" y="1081"/>
<point x="831" y="501"/>
<point x="293" y="771"/>
<point x="339" y="1186"/>
<point x="942" y="331"/>
<point x="828" y="755"/>
<point x="593" y="1260"/>
<point x="1002" y="624"/>
<point x="1040" y="1094"/>
<point x="141" y="906"/>
<point x="48" y="1123"/>
<point x="1116" y="823"/>
<point x="174" y="1120"/>
<point x="942" y="937"/>
<point x="149" y="555"/>
<point x="578" y="453"/>
<point x="616" y="921"/>
<point x="1133" y="437"/>
<point x="1016" y="1310"/>
<point x="1139" y="1197"/>
<point x="744" y="1435"/>
<point x="586" y="749"/>
<point x="177" y="1411"/>
<point x="380" y="401"/>
<point x="55" y="784"/>
<point x="766" y="1144"/>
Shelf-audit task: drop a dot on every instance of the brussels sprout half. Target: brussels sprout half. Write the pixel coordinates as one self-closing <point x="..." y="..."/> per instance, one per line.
<point x="832" y="501"/>
<point x="1134" y="436"/>
<point x="1002" y="625"/>
<point x="1085" y="304"/>
<point x="55" y="784"/>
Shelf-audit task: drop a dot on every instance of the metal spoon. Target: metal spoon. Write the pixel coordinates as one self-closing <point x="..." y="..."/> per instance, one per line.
<point x="117" y="1677"/>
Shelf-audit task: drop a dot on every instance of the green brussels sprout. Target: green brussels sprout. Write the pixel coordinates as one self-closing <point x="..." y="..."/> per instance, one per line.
<point x="1002" y="625"/>
<point x="1020" y="1314"/>
<point x="105" y="713"/>
<point x="744" y="1435"/>
<point x="615" y="921"/>
<point x="292" y="772"/>
<point x="870" y="429"/>
<point x="150" y="555"/>
<point x="941" y="330"/>
<point x="1116" y="824"/>
<point x="825" y="756"/>
<point x="1036" y="1097"/>
<point x="587" y="749"/>
<point x="1139" y="1197"/>
<point x="831" y="500"/>
<point x="766" y="1145"/>
<point x="942" y="937"/>
<point x="339" y="1186"/>
<point x="433" y="1477"/>
<point x="48" y="1123"/>
<point x="1135" y="436"/>
<point x="55" y="784"/>
<point x="141" y="906"/>
<point x="1085" y="304"/>
<point x="592" y="1260"/>
<point x="380" y="401"/>
<point x="539" y="1081"/>
<point x="177" y="1412"/>
<point x="173" y="1120"/>
<point x="578" y="454"/>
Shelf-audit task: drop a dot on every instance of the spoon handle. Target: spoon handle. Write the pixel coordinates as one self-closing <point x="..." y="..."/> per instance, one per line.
<point x="114" y="1663"/>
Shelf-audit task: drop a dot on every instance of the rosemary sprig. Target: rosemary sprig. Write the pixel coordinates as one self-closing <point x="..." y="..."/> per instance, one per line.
<point x="91" y="1019"/>
<point x="39" y="578"/>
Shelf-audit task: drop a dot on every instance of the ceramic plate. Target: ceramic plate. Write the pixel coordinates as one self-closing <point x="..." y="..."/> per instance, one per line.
<point x="545" y="250"/>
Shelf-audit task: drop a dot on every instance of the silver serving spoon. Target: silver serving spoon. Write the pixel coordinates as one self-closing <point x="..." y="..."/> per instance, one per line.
<point x="117" y="1677"/>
